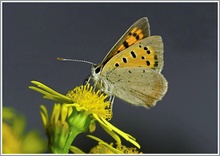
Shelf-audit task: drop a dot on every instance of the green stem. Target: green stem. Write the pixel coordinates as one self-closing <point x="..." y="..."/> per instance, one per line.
<point x="79" y="122"/>
<point x="71" y="137"/>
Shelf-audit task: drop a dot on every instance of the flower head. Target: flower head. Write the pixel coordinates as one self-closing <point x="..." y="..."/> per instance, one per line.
<point x="105" y="148"/>
<point x="92" y="101"/>
<point x="77" y="113"/>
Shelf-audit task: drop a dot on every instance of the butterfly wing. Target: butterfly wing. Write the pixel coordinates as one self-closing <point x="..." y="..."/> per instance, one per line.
<point x="131" y="69"/>
<point x="146" y="53"/>
<point x="139" y="30"/>
<point x="138" y="85"/>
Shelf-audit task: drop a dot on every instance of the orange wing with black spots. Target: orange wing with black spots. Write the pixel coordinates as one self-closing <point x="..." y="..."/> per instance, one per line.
<point x="146" y="53"/>
<point x="139" y="30"/>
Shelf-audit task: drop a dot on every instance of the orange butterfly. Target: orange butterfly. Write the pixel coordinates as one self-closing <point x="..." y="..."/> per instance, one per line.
<point x="131" y="69"/>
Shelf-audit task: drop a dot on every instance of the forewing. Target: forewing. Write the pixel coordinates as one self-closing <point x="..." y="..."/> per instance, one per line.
<point x="139" y="30"/>
<point x="146" y="53"/>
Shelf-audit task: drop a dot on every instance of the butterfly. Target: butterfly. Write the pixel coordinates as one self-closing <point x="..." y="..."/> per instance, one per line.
<point x="131" y="70"/>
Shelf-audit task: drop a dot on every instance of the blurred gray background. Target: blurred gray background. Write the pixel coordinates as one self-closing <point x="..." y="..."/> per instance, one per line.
<point x="185" y="121"/>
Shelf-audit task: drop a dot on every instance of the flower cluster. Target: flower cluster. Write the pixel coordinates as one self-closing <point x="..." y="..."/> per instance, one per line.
<point x="78" y="112"/>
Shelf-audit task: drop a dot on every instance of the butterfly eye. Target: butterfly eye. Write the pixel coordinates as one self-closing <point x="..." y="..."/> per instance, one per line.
<point x="98" y="69"/>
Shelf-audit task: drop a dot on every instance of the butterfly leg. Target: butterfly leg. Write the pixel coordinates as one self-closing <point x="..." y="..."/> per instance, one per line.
<point x="111" y="99"/>
<point x="87" y="80"/>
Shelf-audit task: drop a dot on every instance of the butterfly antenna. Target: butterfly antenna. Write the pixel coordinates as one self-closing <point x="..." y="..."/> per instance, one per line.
<point x="74" y="60"/>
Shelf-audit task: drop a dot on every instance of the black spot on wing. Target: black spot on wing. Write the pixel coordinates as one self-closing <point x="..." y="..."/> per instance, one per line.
<point x="133" y="54"/>
<point x="124" y="60"/>
<point x="155" y="64"/>
<point x="125" y="43"/>
<point x="116" y="64"/>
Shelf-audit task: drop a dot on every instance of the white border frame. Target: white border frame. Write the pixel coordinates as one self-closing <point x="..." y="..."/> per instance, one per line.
<point x="112" y="1"/>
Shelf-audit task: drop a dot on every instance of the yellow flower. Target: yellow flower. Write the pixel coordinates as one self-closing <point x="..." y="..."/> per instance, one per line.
<point x="79" y="110"/>
<point x="14" y="139"/>
<point x="105" y="148"/>
<point x="92" y="101"/>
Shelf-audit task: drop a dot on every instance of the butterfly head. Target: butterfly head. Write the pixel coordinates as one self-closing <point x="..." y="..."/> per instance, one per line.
<point x="96" y="70"/>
